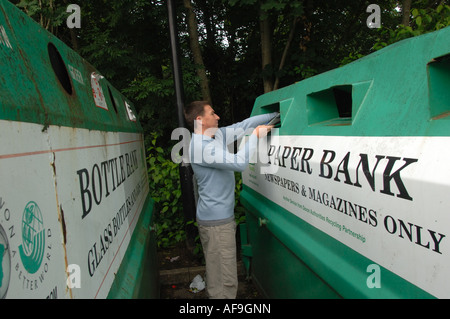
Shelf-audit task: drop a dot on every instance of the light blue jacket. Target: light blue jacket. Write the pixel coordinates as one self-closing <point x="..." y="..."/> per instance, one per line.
<point x="214" y="168"/>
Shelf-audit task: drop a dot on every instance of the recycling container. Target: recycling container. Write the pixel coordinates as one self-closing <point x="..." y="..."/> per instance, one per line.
<point x="75" y="210"/>
<point x="349" y="197"/>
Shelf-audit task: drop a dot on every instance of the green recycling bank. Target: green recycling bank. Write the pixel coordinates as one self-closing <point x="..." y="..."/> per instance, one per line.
<point x="350" y="196"/>
<point x="75" y="210"/>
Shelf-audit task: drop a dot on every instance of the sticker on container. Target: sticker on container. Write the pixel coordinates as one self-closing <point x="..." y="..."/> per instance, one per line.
<point x="130" y="113"/>
<point x="76" y="74"/>
<point x="97" y="91"/>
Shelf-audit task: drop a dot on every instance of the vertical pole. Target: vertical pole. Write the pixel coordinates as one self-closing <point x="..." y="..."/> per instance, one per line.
<point x="177" y="77"/>
<point x="186" y="173"/>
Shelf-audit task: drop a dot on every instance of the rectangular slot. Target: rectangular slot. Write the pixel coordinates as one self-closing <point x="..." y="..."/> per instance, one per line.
<point x="275" y="107"/>
<point x="343" y="99"/>
<point x="439" y="87"/>
<point x="332" y="106"/>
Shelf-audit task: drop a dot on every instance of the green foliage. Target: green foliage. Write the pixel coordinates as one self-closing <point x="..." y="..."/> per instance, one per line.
<point x="431" y="19"/>
<point x="424" y="19"/>
<point x="239" y="210"/>
<point x="166" y="192"/>
<point x="46" y="12"/>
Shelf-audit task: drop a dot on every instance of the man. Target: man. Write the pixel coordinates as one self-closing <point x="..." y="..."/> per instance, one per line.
<point x="214" y="168"/>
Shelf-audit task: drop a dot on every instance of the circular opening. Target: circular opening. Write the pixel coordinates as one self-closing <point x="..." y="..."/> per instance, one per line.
<point x="113" y="101"/>
<point x="59" y="68"/>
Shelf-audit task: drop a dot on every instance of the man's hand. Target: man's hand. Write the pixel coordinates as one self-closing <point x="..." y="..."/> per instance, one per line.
<point x="262" y="130"/>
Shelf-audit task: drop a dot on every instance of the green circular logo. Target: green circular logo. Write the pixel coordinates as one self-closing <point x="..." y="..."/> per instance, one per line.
<point x="33" y="238"/>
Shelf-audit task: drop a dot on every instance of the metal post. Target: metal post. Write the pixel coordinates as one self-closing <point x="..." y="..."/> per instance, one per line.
<point x="186" y="173"/>
<point x="177" y="77"/>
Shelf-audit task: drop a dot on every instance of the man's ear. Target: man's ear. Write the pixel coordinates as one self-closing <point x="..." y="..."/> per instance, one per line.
<point x="197" y="123"/>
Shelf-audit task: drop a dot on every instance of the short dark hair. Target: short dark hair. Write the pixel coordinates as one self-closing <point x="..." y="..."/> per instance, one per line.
<point x="193" y="110"/>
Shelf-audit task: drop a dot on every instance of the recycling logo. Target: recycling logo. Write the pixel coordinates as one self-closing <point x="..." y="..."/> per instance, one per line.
<point x="33" y="238"/>
<point x="25" y="250"/>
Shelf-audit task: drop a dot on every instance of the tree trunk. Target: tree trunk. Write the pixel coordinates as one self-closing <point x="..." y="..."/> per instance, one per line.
<point x="406" y="11"/>
<point x="195" y="47"/>
<point x="73" y="33"/>
<point x="285" y="52"/>
<point x="266" y="51"/>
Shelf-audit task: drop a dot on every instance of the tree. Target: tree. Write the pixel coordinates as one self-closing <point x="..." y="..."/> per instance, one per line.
<point x="266" y="49"/>
<point x="285" y="52"/>
<point x="418" y="17"/>
<point x="196" y="51"/>
<point x="274" y="16"/>
<point x="50" y="14"/>
<point x="406" y="11"/>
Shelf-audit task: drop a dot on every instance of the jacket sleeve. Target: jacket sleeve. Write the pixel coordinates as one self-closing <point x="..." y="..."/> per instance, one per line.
<point x="229" y="134"/>
<point x="216" y="155"/>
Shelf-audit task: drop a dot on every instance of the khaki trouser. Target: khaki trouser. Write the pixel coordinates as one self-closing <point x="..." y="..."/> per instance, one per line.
<point x="219" y="248"/>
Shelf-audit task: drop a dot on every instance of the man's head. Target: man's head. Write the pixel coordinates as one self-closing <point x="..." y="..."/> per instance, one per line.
<point x="201" y="117"/>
